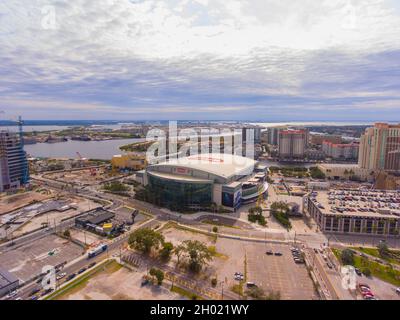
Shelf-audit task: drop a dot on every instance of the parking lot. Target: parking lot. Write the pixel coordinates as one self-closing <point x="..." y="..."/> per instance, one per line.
<point x="278" y="273"/>
<point x="27" y="261"/>
<point x="382" y="290"/>
<point x="271" y="273"/>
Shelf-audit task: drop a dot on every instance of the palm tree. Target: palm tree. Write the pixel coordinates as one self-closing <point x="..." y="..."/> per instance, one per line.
<point x="178" y="251"/>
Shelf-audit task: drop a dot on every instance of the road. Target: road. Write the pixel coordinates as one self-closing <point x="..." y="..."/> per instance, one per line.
<point x="78" y="264"/>
<point x="115" y="202"/>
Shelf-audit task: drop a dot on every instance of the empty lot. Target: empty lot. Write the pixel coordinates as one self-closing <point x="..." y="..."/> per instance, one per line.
<point x="118" y="283"/>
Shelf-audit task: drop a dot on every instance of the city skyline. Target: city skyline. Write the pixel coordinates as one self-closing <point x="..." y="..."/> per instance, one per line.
<point x="219" y="60"/>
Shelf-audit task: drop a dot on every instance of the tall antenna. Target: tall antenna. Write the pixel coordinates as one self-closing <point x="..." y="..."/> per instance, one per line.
<point x="21" y="132"/>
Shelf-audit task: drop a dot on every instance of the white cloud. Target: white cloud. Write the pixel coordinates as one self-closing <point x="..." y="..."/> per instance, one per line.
<point x="143" y="49"/>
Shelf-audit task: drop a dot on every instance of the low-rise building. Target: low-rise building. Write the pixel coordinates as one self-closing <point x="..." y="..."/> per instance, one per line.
<point x="315" y="154"/>
<point x="8" y="282"/>
<point x="337" y="171"/>
<point x="341" y="151"/>
<point x="93" y="219"/>
<point x="367" y="212"/>
<point x="129" y="161"/>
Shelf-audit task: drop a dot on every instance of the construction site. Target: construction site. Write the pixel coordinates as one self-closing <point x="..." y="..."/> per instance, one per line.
<point x="84" y="176"/>
<point x="43" y="212"/>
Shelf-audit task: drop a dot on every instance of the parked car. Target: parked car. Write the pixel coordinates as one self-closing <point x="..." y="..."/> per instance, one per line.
<point x="363" y="285"/>
<point x="364" y="289"/>
<point x="278" y="254"/>
<point x="82" y="270"/>
<point x="251" y="284"/>
<point x="329" y="265"/>
<point x="398" y="290"/>
<point x="269" y="253"/>
<point x="358" y="272"/>
<point x="239" y="277"/>
<point x="34" y="291"/>
<point x="71" y="276"/>
<point x="92" y="265"/>
<point x="61" y="275"/>
<point x="46" y="292"/>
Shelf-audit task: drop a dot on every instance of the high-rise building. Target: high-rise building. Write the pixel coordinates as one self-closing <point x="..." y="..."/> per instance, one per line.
<point x="292" y="143"/>
<point x="273" y="135"/>
<point x="248" y="131"/>
<point x="14" y="171"/>
<point x="380" y="148"/>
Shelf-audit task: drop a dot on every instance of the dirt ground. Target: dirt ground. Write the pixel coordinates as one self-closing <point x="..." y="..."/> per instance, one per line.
<point x="119" y="284"/>
<point x="83" y="176"/>
<point x="15" y="201"/>
<point x="89" y="238"/>
<point x="55" y="217"/>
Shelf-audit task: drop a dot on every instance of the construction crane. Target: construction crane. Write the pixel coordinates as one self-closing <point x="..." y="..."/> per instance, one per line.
<point x="81" y="159"/>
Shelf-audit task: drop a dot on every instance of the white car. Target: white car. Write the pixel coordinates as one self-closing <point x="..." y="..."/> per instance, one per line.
<point x="398" y="290"/>
<point x="61" y="275"/>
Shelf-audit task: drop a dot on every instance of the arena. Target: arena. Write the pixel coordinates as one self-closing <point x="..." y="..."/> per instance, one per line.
<point x="202" y="181"/>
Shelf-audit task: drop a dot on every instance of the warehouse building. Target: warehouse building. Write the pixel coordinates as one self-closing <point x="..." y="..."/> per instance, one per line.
<point x="199" y="181"/>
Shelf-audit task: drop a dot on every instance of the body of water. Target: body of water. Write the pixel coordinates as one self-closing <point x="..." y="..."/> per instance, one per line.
<point x="104" y="150"/>
<point x="312" y="124"/>
<point x="40" y="128"/>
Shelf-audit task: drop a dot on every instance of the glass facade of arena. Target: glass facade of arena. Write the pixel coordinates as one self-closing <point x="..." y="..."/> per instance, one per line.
<point x="180" y="194"/>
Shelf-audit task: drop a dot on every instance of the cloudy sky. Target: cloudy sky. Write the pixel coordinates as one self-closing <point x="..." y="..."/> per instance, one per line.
<point x="265" y="60"/>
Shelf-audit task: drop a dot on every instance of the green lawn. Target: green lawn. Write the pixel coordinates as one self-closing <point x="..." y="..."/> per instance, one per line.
<point x="185" y="293"/>
<point x="378" y="270"/>
<point x="394" y="259"/>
